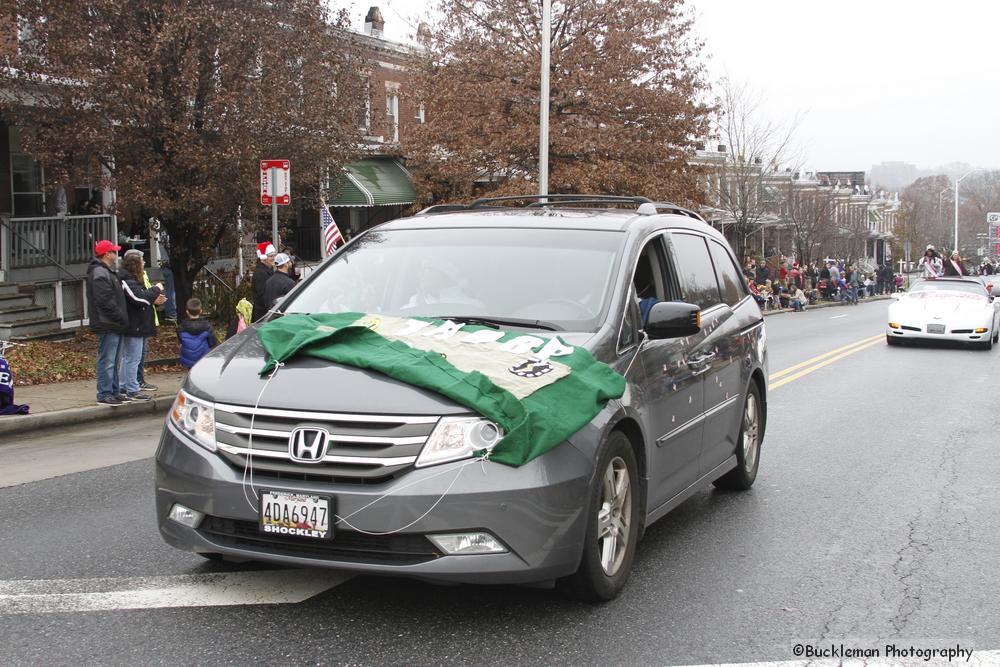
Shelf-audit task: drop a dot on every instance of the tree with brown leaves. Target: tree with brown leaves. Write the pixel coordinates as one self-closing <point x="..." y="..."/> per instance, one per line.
<point x="180" y="99"/>
<point x="626" y="100"/>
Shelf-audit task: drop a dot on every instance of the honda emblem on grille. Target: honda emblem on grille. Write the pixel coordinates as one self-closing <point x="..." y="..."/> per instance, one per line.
<point x="308" y="445"/>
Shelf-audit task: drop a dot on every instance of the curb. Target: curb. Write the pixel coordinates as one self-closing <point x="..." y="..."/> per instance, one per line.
<point x="82" y="415"/>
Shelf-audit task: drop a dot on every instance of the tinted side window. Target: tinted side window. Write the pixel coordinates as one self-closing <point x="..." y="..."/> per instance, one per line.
<point x="695" y="270"/>
<point x="726" y="273"/>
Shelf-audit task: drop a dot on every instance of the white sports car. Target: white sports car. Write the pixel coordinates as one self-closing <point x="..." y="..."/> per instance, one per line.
<point x="954" y="309"/>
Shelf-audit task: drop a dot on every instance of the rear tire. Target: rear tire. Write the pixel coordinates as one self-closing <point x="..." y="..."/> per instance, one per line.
<point x="613" y="524"/>
<point x="748" y="442"/>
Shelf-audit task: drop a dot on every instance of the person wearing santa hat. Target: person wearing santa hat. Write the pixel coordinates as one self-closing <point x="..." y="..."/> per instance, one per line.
<point x="263" y="271"/>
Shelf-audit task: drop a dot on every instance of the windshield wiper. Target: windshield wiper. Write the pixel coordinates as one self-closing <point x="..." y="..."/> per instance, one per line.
<point x="497" y="322"/>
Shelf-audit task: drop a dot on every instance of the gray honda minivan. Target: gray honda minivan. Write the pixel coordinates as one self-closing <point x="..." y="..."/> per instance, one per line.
<point x="331" y="465"/>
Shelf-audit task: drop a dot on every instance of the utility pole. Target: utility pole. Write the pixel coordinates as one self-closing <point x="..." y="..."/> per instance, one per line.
<point x="543" y="134"/>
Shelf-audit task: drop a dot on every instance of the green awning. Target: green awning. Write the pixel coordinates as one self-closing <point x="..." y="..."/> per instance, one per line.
<point x="375" y="181"/>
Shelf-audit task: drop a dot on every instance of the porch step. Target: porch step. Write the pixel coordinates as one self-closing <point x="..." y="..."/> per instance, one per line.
<point x="15" y="300"/>
<point x="8" y="290"/>
<point x="26" y="328"/>
<point x="21" y="313"/>
<point x="55" y="336"/>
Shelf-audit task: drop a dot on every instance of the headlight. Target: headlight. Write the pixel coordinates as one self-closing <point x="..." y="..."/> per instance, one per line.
<point x="457" y="438"/>
<point x="194" y="418"/>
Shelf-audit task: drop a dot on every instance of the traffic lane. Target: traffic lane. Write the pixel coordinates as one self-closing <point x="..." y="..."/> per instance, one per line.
<point x="796" y="337"/>
<point x="836" y="541"/>
<point x="100" y="523"/>
<point x="50" y="453"/>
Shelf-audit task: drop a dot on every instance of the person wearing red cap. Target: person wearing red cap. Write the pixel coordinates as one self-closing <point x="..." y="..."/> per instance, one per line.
<point x="263" y="271"/>
<point x="108" y="314"/>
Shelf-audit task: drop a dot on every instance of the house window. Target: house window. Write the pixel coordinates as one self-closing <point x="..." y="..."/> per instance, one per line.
<point x="392" y="111"/>
<point x="27" y="180"/>
<point x="421" y="116"/>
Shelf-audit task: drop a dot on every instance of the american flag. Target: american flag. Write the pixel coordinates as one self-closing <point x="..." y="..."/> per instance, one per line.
<point x="331" y="233"/>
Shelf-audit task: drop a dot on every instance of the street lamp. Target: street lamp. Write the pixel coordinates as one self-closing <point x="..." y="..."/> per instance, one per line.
<point x="957" y="181"/>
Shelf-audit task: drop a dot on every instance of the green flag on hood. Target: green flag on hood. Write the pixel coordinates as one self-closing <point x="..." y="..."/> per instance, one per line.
<point x="539" y="390"/>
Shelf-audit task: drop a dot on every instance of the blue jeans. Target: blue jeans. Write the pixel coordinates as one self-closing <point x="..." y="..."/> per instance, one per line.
<point x="140" y="374"/>
<point x="109" y="356"/>
<point x="128" y="382"/>
<point x="170" y="306"/>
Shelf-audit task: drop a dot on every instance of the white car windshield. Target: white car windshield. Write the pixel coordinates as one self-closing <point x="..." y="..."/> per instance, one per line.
<point x="562" y="278"/>
<point x="949" y="286"/>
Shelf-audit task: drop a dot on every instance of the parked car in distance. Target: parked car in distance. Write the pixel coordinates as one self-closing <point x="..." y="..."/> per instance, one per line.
<point x="647" y="288"/>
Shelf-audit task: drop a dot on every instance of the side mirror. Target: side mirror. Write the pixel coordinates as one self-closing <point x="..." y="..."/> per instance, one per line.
<point x="673" y="320"/>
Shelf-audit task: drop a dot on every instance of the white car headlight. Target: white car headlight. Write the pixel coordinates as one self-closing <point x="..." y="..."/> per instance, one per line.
<point x="457" y="438"/>
<point x="194" y="418"/>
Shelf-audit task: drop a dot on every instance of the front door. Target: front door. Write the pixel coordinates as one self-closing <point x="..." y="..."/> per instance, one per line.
<point x="669" y="390"/>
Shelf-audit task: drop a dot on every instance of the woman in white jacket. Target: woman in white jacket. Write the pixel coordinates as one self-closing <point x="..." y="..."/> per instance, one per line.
<point x="931" y="264"/>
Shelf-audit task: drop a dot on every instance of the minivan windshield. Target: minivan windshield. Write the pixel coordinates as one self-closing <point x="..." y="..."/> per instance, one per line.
<point x="559" y="277"/>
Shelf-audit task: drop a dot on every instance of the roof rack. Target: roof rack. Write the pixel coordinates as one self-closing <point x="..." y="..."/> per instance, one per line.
<point x="645" y="205"/>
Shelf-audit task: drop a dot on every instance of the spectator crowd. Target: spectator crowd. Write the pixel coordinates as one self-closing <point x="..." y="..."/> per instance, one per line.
<point x="783" y="283"/>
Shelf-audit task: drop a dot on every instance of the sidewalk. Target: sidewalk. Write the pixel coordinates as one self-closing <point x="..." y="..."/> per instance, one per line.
<point x="826" y="304"/>
<point x="69" y="403"/>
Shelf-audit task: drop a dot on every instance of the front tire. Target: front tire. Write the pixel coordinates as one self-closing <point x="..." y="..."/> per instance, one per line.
<point x="743" y="475"/>
<point x="613" y="524"/>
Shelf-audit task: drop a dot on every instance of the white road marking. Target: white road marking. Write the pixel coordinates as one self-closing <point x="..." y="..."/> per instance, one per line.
<point x="42" y="596"/>
<point x="978" y="659"/>
<point x="837" y="317"/>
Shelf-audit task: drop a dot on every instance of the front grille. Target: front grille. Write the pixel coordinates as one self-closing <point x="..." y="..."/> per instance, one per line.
<point x="910" y="328"/>
<point x="961" y="331"/>
<point x="363" y="449"/>
<point x="346" y="546"/>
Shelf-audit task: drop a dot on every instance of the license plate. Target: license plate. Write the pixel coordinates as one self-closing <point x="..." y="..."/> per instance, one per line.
<point x="295" y="515"/>
<point x="935" y="328"/>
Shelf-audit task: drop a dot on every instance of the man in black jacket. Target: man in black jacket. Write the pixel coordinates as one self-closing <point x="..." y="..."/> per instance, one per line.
<point x="108" y="319"/>
<point x="280" y="283"/>
<point x="263" y="271"/>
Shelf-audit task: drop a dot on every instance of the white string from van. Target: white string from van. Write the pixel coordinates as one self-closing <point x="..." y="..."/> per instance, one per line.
<point x="248" y="465"/>
<point x="248" y="470"/>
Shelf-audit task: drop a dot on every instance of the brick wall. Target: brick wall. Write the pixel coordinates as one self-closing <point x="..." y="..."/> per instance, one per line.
<point x="8" y="34"/>
<point x="5" y="183"/>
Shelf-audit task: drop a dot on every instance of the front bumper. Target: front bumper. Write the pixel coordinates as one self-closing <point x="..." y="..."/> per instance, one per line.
<point x="536" y="510"/>
<point x="961" y="334"/>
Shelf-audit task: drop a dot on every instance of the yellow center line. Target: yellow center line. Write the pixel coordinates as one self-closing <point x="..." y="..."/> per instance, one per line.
<point x="807" y="371"/>
<point x="807" y="362"/>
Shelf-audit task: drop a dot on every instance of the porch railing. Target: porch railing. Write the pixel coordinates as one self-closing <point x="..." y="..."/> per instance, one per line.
<point x="39" y="246"/>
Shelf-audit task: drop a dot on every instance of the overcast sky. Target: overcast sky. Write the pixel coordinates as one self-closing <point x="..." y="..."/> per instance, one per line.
<point x="873" y="80"/>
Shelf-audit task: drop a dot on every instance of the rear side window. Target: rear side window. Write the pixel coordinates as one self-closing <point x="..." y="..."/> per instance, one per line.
<point x="726" y="273"/>
<point x="695" y="270"/>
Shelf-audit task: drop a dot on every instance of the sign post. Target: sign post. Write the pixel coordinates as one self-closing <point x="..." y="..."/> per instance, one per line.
<point x="993" y="220"/>
<point x="275" y="189"/>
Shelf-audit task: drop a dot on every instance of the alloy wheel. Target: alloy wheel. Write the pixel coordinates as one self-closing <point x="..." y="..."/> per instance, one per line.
<point x="614" y="518"/>
<point x="751" y="425"/>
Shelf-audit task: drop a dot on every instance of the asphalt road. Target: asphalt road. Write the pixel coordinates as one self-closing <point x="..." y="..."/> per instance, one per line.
<point x="873" y="520"/>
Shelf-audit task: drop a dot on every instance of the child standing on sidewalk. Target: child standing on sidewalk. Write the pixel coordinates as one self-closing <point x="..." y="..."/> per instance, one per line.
<point x="195" y="334"/>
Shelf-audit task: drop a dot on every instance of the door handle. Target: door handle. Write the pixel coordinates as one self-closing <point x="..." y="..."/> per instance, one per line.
<point x="700" y="359"/>
<point x="699" y="364"/>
